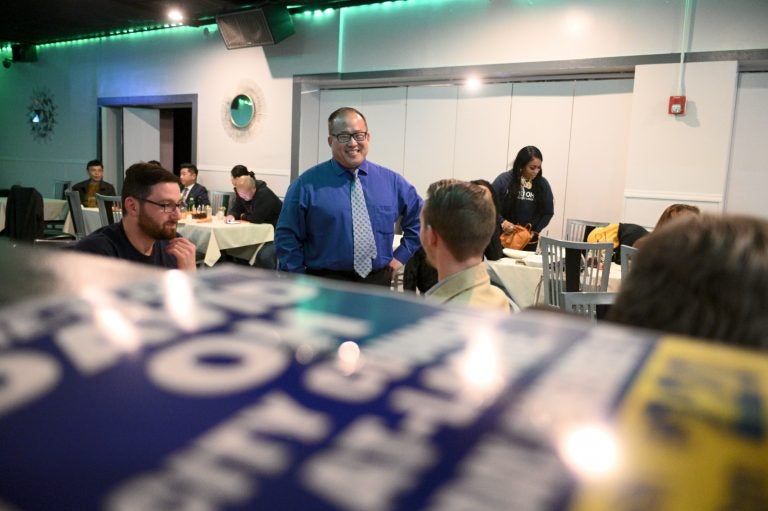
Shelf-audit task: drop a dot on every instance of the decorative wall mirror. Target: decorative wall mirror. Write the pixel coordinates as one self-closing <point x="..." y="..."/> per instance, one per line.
<point x="41" y="115"/>
<point x="241" y="111"/>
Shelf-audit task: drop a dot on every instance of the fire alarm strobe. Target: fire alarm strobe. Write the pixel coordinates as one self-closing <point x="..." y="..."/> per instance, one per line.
<point x="677" y="105"/>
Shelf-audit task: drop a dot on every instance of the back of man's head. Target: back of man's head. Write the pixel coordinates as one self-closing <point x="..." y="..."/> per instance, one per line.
<point x="462" y="214"/>
<point x="141" y="177"/>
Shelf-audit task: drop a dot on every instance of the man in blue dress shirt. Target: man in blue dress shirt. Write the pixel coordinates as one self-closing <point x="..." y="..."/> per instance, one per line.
<point x="314" y="233"/>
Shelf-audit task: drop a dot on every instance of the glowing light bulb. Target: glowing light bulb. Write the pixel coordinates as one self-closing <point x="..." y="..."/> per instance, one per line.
<point x="175" y="15"/>
<point x="473" y="83"/>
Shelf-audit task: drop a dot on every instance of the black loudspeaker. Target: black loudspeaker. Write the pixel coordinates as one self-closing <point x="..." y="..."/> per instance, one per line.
<point x="24" y="52"/>
<point x="258" y="27"/>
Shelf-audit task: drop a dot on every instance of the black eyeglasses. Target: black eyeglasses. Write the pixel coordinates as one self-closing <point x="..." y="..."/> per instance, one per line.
<point x="344" y="138"/>
<point x="167" y="207"/>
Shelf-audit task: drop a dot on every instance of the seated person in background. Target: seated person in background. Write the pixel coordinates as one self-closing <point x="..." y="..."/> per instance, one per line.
<point x="457" y="221"/>
<point x="701" y="275"/>
<point x="618" y="234"/>
<point x="147" y="232"/>
<point x="237" y="171"/>
<point x="673" y="211"/>
<point x="192" y="192"/>
<point x="257" y="204"/>
<point x="418" y="274"/>
<point x="254" y="201"/>
<point x="93" y="185"/>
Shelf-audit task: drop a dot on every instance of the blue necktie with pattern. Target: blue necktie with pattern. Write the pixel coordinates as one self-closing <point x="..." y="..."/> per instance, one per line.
<point x="363" y="242"/>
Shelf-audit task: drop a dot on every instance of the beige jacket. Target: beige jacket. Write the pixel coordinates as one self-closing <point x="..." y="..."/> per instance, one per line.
<point x="470" y="287"/>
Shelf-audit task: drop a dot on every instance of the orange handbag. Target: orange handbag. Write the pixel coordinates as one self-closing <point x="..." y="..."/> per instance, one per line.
<point x="518" y="238"/>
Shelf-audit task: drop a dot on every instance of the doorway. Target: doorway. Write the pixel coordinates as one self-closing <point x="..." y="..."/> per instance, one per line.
<point x="143" y="128"/>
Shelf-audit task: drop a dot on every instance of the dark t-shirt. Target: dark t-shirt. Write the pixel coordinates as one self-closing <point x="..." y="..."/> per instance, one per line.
<point x="111" y="241"/>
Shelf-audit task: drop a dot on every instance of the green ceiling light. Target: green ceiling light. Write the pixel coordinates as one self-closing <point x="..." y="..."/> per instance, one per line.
<point x="127" y="32"/>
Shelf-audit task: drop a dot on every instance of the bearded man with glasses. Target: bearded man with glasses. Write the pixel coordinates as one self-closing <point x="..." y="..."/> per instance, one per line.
<point x="338" y="218"/>
<point x="147" y="232"/>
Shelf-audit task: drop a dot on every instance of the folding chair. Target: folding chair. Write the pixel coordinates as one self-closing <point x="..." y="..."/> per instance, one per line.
<point x="592" y="304"/>
<point x="573" y="266"/>
<point x="627" y="253"/>
<point x="220" y="199"/>
<point x="110" y="208"/>
<point x="578" y="230"/>
<point x="76" y="210"/>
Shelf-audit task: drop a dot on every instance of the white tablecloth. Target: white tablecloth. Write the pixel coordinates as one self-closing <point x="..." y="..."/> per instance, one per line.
<point x="53" y="209"/>
<point x="242" y="240"/>
<point x="91" y="219"/>
<point x="523" y="281"/>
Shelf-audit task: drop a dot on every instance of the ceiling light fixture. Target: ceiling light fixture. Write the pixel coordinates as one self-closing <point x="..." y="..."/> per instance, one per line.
<point x="175" y="15"/>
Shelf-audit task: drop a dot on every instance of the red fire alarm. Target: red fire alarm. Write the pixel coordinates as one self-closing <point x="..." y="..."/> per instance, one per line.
<point x="677" y="105"/>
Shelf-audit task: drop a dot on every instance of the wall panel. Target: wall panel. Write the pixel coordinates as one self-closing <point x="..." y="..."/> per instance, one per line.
<point x="430" y="134"/>
<point x="482" y="126"/>
<point x="598" y="150"/>
<point x="541" y="116"/>
<point x="748" y="176"/>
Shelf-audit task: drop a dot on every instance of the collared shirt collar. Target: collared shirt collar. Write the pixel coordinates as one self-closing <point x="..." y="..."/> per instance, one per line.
<point x="340" y="169"/>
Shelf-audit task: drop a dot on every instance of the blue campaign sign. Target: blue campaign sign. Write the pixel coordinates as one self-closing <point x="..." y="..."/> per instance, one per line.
<point x="239" y="390"/>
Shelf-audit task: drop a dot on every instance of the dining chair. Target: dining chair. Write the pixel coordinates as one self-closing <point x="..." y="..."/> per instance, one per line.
<point x="573" y="266"/>
<point x="76" y="210"/>
<point x="220" y="199"/>
<point x="627" y="253"/>
<point x="60" y="188"/>
<point x="24" y="216"/>
<point x="578" y="230"/>
<point x="592" y="304"/>
<point x="110" y="208"/>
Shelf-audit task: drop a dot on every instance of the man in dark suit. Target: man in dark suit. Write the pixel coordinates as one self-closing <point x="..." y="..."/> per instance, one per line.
<point x="190" y="189"/>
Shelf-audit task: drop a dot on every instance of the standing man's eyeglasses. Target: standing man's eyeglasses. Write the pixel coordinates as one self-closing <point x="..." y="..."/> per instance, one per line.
<point x="344" y="138"/>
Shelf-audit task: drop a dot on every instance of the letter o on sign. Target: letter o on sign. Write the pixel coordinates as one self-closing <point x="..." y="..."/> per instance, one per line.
<point x="25" y="376"/>
<point x="215" y="366"/>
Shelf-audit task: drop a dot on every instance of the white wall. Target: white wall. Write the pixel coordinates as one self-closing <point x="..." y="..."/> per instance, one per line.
<point x="141" y="128"/>
<point x="437" y="132"/>
<point x="748" y="176"/>
<point x="679" y="158"/>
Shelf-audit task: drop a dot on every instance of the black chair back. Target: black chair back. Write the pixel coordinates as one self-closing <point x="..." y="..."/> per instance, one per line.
<point x="24" y="214"/>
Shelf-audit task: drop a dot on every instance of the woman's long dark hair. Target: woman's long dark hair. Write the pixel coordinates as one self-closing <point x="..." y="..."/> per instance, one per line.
<point x="524" y="155"/>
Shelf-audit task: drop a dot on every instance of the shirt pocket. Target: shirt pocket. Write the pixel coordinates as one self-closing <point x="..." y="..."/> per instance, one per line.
<point x="383" y="219"/>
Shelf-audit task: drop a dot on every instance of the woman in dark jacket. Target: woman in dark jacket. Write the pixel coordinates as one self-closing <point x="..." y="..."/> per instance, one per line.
<point x="525" y="196"/>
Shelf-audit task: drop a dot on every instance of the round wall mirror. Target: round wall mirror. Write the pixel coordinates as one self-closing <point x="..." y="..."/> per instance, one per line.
<point x="241" y="111"/>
